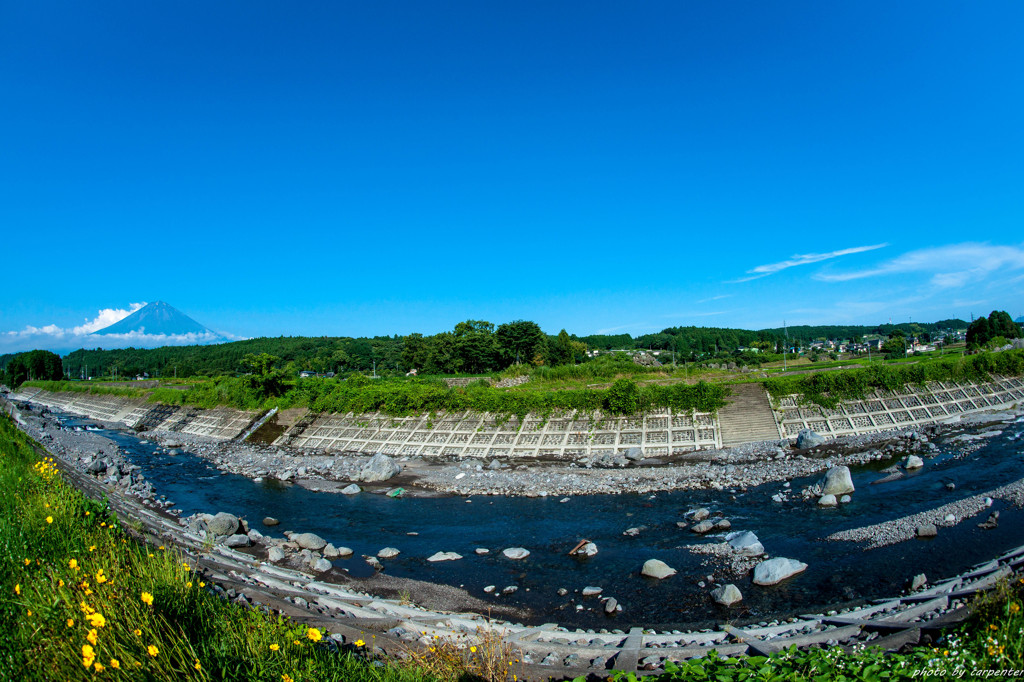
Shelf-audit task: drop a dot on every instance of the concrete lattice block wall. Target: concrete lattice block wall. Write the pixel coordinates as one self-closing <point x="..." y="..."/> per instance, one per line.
<point x="908" y="406"/>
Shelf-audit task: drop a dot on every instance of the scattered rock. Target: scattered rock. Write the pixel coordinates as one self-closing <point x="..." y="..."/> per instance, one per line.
<point x="919" y="581"/>
<point x="238" y="541"/>
<point x="275" y="554"/>
<point x="702" y="527"/>
<point x="991" y="522"/>
<point x="510" y="589"/>
<point x="913" y="462"/>
<point x="724" y="524"/>
<point x="330" y="551"/>
<point x="351" y="489"/>
<point x="379" y="468"/>
<point x="444" y="556"/>
<point x="700" y="514"/>
<point x="388" y="553"/>
<point x="631" y="532"/>
<point x="837" y="481"/>
<point x="489" y="589"/>
<point x="845" y="499"/>
<point x="591" y="591"/>
<point x="726" y="595"/>
<point x="587" y="550"/>
<point x="611" y="606"/>
<point x="270" y="521"/>
<point x="655" y="568"/>
<point x="745" y="543"/>
<point x="309" y="541"/>
<point x="776" y="570"/>
<point x="321" y="565"/>
<point x="927" y="530"/>
<point x="482" y="550"/>
<point x="827" y="501"/>
<point x="808" y="439"/>
<point x="516" y="553"/>
<point x="223" y="524"/>
<point x="344" y="552"/>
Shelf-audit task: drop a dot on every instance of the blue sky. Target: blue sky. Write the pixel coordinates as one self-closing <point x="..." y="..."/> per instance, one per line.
<point x="382" y="168"/>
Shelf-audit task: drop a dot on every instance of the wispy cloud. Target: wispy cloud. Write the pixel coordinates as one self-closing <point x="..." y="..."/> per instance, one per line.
<point x="802" y="259"/>
<point x="951" y="267"/>
<point x="612" y="330"/>
<point x="715" y="298"/>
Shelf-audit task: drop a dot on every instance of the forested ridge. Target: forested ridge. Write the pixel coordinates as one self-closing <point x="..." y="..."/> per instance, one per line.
<point x="473" y="347"/>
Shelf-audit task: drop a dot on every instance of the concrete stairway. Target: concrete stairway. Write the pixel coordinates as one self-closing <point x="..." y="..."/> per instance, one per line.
<point x="748" y="416"/>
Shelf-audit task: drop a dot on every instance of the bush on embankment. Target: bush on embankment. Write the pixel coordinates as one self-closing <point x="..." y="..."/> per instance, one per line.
<point x="81" y="601"/>
<point x="400" y="397"/>
<point x="828" y="388"/>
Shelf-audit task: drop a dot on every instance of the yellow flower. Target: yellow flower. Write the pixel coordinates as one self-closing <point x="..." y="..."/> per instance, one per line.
<point x="993" y="626"/>
<point x="286" y="678"/>
<point x="71" y="622"/>
<point x="202" y="584"/>
<point x="103" y="525"/>
<point x="147" y="599"/>
<point x="87" y="513"/>
<point x="49" y="519"/>
<point x="198" y="666"/>
<point x="296" y="642"/>
<point x="137" y="632"/>
<point x="314" y="634"/>
<point x="100" y="578"/>
<point x="189" y="584"/>
<point x="97" y="620"/>
<point x="60" y="583"/>
<point x="99" y="667"/>
<point x="92" y="548"/>
<point x="153" y="651"/>
<point x="17" y="589"/>
<point x="274" y="647"/>
<point x="92" y="637"/>
<point x="161" y="548"/>
<point x="28" y="561"/>
<point x="359" y="642"/>
<point x="86" y="609"/>
<point x="88" y="655"/>
<point x="47" y="505"/>
<point x="1014" y="608"/>
<point x="472" y="649"/>
<point x="30" y="613"/>
<point x="115" y="664"/>
<point x="73" y="564"/>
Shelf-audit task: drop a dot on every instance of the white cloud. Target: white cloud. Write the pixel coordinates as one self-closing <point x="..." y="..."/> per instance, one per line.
<point x="802" y="259"/>
<point x="105" y="318"/>
<point x="952" y="266"/>
<point x="715" y="298"/>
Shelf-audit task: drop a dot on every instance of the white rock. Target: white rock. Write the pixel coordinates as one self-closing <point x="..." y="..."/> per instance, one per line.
<point x="837" y="481"/>
<point x="655" y="568"/>
<point x="591" y="591"/>
<point x="726" y="595"/>
<point x="589" y="549"/>
<point x="827" y="501"/>
<point x="344" y="551"/>
<point x="516" y="553"/>
<point x="275" y="554"/>
<point x="913" y="462"/>
<point x="352" y="489"/>
<point x="482" y="550"/>
<point x="745" y="543"/>
<point x="444" y="556"/>
<point x="388" y="553"/>
<point x="776" y="570"/>
<point x="489" y="589"/>
<point x="845" y="499"/>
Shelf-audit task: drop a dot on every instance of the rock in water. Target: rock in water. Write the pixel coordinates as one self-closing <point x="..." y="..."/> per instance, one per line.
<point x="516" y="553"/>
<point x="991" y="522"/>
<point x="745" y="543"/>
<point x="726" y="595"/>
<point x="270" y="521"/>
<point x="223" y="524"/>
<point x="444" y="556"/>
<point x="654" y="568"/>
<point x="344" y="551"/>
<point x="913" y="462"/>
<point x="352" y="489"/>
<point x="808" y="439"/>
<point x="927" y="530"/>
<point x="591" y="591"/>
<point x="702" y="527"/>
<point x="837" y="482"/>
<point x="700" y="514"/>
<point x="827" y="501"/>
<point x="919" y="581"/>
<point x="309" y="541"/>
<point x="611" y="606"/>
<point x="776" y="570"/>
<point x="388" y="553"/>
<point x="379" y="468"/>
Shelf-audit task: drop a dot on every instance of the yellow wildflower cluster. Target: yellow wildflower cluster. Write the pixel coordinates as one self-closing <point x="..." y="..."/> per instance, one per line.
<point x="45" y="468"/>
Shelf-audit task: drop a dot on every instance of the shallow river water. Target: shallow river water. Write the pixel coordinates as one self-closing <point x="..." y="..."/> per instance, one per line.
<point x="838" y="572"/>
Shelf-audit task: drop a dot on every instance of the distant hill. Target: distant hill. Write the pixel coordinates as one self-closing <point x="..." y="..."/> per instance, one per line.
<point x="157" y="318"/>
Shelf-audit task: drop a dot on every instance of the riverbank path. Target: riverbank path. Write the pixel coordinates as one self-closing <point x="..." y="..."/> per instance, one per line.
<point x="747" y="417"/>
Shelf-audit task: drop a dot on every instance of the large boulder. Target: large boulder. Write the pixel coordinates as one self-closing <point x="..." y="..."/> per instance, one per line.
<point x="379" y="468"/>
<point x="745" y="543"/>
<point x="388" y="553"/>
<point x="914" y="462"/>
<point x="351" y="489"/>
<point x="837" y="481"/>
<point x="726" y="595"/>
<point x="275" y="554"/>
<point x="238" y="541"/>
<point x="776" y="570"/>
<point x="223" y="524"/>
<point x="808" y="439"/>
<point x="309" y="541"/>
<point x="655" y="568"/>
<point x="704" y="526"/>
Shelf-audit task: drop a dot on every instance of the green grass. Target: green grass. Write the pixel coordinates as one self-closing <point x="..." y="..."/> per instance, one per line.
<point x="64" y="561"/>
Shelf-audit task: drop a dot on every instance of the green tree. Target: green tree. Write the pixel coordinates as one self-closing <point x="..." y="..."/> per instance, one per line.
<point x="979" y="332"/>
<point x="475" y="346"/>
<point x="560" y="350"/>
<point x="518" y="341"/>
